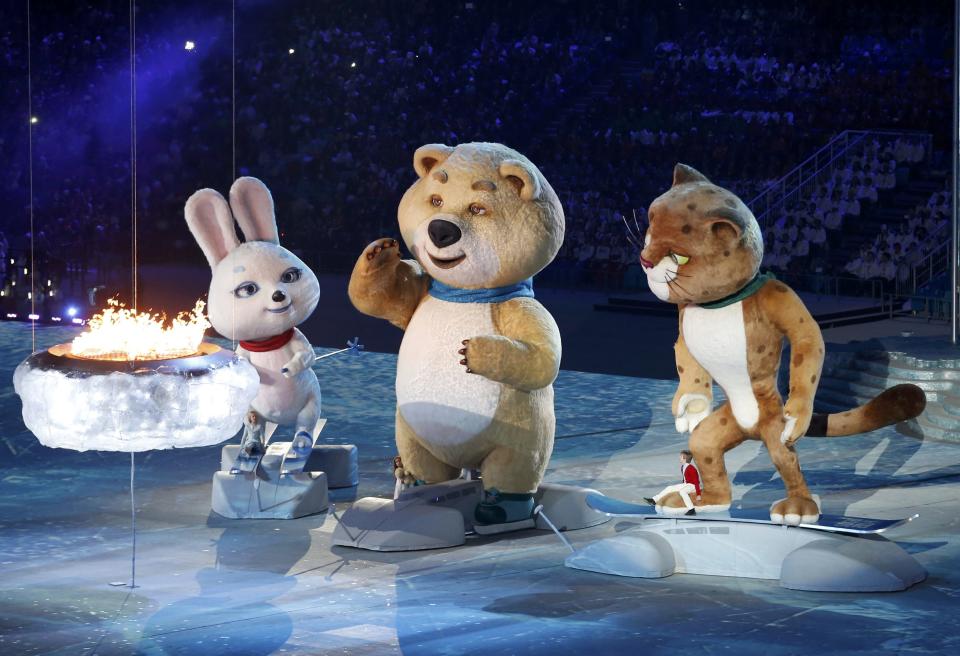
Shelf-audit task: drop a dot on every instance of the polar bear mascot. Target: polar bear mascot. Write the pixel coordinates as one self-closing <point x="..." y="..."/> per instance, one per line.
<point x="479" y="355"/>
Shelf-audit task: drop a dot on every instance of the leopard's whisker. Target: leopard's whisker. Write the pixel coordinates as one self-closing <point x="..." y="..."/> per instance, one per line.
<point x="629" y="229"/>
<point x="635" y="221"/>
<point x="673" y="281"/>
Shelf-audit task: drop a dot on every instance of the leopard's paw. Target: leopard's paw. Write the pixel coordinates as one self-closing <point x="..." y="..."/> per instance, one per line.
<point x="794" y="511"/>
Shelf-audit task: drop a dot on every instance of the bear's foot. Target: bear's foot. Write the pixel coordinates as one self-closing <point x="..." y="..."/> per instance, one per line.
<point x="502" y="511"/>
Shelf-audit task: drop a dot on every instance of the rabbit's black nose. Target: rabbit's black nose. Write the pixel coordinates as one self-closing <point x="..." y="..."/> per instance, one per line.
<point x="443" y="233"/>
<point x="279" y="296"/>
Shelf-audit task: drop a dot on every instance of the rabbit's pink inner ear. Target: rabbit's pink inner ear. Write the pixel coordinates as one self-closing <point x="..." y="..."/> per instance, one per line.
<point x="210" y="222"/>
<point x="252" y="204"/>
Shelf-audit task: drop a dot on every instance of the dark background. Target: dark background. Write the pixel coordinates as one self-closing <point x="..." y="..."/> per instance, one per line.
<point x="603" y="96"/>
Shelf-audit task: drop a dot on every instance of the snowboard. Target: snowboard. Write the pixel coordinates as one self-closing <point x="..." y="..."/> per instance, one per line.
<point x="830" y="523"/>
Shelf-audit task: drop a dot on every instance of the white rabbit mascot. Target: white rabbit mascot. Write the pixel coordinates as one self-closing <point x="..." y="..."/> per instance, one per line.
<point x="259" y="293"/>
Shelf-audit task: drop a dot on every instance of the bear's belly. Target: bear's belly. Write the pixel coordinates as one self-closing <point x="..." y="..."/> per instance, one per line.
<point x="280" y="399"/>
<point x="442" y="403"/>
<point x="717" y="339"/>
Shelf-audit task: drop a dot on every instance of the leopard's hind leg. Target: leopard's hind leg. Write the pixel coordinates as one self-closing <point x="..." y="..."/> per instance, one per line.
<point x="711" y="439"/>
<point x="799" y="507"/>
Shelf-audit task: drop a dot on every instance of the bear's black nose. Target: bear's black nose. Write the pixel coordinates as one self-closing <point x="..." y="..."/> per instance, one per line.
<point x="279" y="296"/>
<point x="443" y="233"/>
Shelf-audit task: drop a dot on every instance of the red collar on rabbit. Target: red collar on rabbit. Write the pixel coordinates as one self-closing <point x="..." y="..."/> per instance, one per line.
<point x="268" y="344"/>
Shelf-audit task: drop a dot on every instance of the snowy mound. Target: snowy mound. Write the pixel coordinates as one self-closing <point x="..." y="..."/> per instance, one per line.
<point x="135" y="410"/>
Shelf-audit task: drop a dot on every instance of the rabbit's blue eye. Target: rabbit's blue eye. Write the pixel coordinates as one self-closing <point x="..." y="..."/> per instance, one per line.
<point x="246" y="290"/>
<point x="291" y="275"/>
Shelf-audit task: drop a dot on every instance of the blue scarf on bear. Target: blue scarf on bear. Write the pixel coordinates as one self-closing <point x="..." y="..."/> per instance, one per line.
<point x="439" y="290"/>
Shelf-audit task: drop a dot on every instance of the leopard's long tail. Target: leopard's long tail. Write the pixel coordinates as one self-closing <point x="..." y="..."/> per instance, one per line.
<point x="899" y="403"/>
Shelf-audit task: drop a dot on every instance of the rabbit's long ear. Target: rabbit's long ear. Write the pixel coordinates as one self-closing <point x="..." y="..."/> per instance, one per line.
<point x="210" y="221"/>
<point x="252" y="204"/>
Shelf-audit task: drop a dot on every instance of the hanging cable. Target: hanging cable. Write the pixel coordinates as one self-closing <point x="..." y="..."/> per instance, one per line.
<point x="33" y="291"/>
<point x="233" y="124"/>
<point x="233" y="86"/>
<point x="133" y="151"/>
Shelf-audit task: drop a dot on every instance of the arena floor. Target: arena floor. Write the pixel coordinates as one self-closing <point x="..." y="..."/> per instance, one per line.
<point x="215" y="586"/>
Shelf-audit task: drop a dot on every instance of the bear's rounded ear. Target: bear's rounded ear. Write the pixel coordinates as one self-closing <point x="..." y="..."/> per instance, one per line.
<point x="683" y="174"/>
<point x="428" y="156"/>
<point x="522" y="176"/>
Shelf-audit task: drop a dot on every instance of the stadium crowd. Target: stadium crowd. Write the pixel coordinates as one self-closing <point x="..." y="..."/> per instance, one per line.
<point x="330" y="104"/>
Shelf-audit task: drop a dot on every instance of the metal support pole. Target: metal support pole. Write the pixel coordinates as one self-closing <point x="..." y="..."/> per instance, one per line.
<point x="133" y="531"/>
<point x="133" y="527"/>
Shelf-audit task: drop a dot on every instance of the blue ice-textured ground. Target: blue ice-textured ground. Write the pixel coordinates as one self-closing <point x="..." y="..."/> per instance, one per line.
<point x="212" y="586"/>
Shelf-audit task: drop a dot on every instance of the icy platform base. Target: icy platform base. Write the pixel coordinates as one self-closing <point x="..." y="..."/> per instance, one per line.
<point x="802" y="559"/>
<point x="269" y="492"/>
<point x="209" y="585"/>
<point x="440" y="515"/>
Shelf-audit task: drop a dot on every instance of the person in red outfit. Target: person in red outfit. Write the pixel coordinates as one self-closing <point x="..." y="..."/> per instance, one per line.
<point x="690" y="485"/>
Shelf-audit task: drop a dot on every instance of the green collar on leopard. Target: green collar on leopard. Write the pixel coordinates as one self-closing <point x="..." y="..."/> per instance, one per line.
<point x="747" y="290"/>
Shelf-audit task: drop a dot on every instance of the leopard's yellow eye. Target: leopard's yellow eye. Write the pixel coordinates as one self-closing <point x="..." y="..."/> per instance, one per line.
<point x="679" y="259"/>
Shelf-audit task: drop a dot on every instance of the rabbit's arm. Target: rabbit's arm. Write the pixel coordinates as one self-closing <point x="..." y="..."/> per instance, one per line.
<point x="385" y="286"/>
<point x="303" y="355"/>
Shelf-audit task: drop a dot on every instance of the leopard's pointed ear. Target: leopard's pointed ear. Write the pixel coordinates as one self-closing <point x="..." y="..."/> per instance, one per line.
<point x="726" y="223"/>
<point x="682" y="174"/>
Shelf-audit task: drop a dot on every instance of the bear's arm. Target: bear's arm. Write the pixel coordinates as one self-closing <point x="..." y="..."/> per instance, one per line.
<point x="694" y="379"/>
<point x="526" y="352"/>
<point x="392" y="292"/>
<point x="790" y="316"/>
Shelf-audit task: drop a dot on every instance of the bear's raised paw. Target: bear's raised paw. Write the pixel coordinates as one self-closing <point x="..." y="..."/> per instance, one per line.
<point x="380" y="253"/>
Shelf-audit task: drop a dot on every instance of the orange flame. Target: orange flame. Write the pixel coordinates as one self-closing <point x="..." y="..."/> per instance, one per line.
<point x="119" y="333"/>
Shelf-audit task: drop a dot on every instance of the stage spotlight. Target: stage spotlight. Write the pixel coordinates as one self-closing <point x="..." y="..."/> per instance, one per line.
<point x="34" y="120"/>
<point x="33" y="317"/>
<point x="291" y="51"/>
<point x="71" y="312"/>
<point x="353" y="64"/>
<point x="189" y="45"/>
